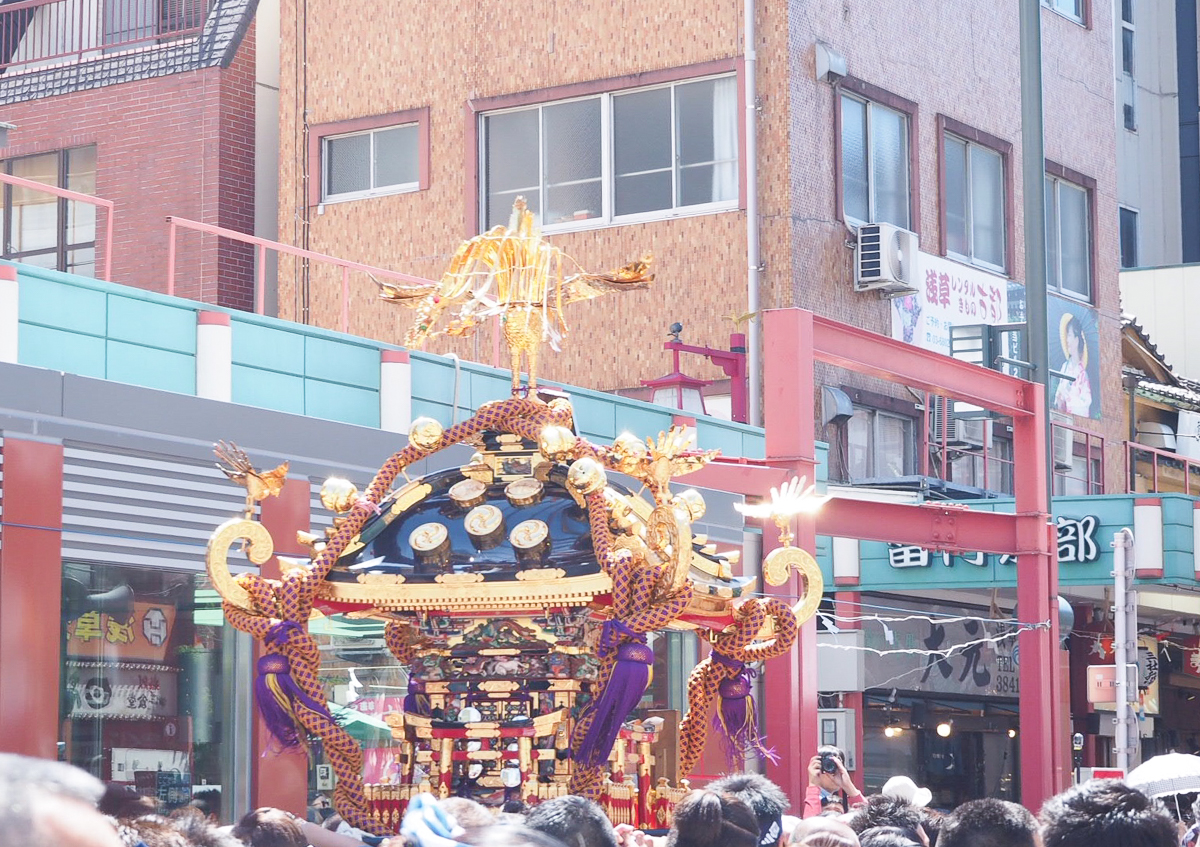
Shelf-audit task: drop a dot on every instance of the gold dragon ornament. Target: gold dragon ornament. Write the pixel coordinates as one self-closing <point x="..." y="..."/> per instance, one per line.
<point x="511" y="272"/>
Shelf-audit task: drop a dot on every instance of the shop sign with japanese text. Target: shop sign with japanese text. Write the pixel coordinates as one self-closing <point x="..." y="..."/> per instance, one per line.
<point x="1076" y="543"/>
<point x="142" y="635"/>
<point x="971" y="657"/>
<point x="948" y="294"/>
<point x="136" y="692"/>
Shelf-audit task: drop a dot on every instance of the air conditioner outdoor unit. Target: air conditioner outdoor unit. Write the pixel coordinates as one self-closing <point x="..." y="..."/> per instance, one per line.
<point x="1187" y="439"/>
<point x="885" y="260"/>
<point x="969" y="433"/>
<point x="1064" y="448"/>
<point x="957" y="432"/>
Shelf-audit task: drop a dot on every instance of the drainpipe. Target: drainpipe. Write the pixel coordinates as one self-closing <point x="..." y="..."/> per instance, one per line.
<point x="753" y="259"/>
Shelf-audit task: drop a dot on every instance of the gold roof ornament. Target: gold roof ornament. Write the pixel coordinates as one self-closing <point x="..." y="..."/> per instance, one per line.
<point x="511" y="272"/>
<point x="787" y="501"/>
<point x="259" y="485"/>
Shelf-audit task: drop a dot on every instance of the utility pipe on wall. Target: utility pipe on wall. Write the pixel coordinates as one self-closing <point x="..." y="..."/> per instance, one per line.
<point x="753" y="258"/>
<point x="1124" y="622"/>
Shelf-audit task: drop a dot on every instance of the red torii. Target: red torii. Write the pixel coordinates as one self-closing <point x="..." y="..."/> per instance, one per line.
<point x="794" y="340"/>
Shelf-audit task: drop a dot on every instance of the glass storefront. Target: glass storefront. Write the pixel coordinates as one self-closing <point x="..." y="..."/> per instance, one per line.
<point x="144" y="695"/>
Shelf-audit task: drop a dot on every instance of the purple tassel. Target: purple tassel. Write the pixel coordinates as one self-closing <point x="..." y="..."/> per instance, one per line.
<point x="415" y="701"/>
<point x="277" y="695"/>
<point x="626" y="685"/>
<point x="736" y="722"/>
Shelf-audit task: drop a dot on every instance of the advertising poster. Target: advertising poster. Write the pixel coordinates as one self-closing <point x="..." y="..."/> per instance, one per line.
<point x="1075" y="351"/>
<point x="948" y="294"/>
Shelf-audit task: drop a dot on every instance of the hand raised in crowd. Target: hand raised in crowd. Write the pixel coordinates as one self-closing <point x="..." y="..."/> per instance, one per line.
<point x="628" y="836"/>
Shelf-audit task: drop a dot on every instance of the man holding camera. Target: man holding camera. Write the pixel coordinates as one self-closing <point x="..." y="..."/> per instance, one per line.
<point x="829" y="784"/>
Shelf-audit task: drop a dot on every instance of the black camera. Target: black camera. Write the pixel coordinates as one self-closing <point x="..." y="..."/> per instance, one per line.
<point x="829" y="763"/>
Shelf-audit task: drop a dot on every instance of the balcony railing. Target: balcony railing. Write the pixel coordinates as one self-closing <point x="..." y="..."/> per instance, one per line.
<point x="41" y="32"/>
<point x="1149" y="470"/>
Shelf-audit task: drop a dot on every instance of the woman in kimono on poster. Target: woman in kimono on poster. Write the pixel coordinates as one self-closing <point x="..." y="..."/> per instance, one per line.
<point x="1073" y="395"/>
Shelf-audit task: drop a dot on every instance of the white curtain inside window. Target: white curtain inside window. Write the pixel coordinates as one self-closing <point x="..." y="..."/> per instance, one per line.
<point x="957" y="240"/>
<point x="987" y="205"/>
<point x="1073" y="221"/>
<point x="725" y="127"/>
<point x="889" y="165"/>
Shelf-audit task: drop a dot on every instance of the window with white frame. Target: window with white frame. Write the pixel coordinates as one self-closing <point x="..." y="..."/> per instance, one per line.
<point x="879" y="444"/>
<point x="1072" y="9"/>
<point x="370" y="163"/>
<point x="875" y="177"/>
<point x="1068" y="238"/>
<point x="621" y="156"/>
<point x="974" y="197"/>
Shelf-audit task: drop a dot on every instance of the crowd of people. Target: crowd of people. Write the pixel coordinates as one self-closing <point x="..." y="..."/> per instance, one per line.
<point x="49" y="804"/>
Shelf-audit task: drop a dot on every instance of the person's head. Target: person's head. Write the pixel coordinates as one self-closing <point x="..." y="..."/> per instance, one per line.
<point x="154" y="831"/>
<point x="1105" y="813"/>
<point x="765" y="799"/>
<point x="988" y="823"/>
<point x="825" y="828"/>
<point x="706" y="818"/>
<point x="467" y="813"/>
<point x="51" y="804"/>
<point x="1073" y="339"/>
<point x="831" y="804"/>
<point x="828" y="780"/>
<point x="828" y="839"/>
<point x="198" y="830"/>
<point x="208" y="801"/>
<point x="884" y="810"/>
<point x="121" y="801"/>
<point x="506" y="835"/>
<point x="888" y="836"/>
<point x="575" y="821"/>
<point x="267" y="827"/>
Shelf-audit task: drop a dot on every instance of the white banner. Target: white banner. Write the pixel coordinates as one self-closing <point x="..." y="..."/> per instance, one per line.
<point x="948" y="294"/>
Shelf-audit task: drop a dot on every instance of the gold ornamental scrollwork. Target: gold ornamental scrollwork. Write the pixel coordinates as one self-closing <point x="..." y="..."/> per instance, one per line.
<point x="669" y="535"/>
<point x="259" y="549"/>
<point x="775" y="572"/>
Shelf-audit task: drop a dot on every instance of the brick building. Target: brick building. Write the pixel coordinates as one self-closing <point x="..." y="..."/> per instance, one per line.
<point x="633" y="137"/>
<point x="150" y="106"/>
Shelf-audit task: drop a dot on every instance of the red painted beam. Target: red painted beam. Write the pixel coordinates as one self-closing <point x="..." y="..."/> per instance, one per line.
<point x="738" y="477"/>
<point x="932" y="527"/>
<point x="790" y="712"/>
<point x="281" y="779"/>
<point x="31" y="627"/>
<point x="895" y="361"/>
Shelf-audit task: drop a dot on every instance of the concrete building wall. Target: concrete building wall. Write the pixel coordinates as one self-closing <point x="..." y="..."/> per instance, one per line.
<point x="1148" y="157"/>
<point x="1162" y="299"/>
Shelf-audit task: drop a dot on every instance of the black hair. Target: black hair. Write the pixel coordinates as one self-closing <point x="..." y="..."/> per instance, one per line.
<point x="888" y="836"/>
<point x="886" y="810"/>
<point x="831" y="750"/>
<point x="1105" y="813"/>
<point x="706" y="818"/>
<point x="988" y="823"/>
<point x="575" y="821"/>
<point x="765" y="799"/>
<point x="269" y="827"/>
